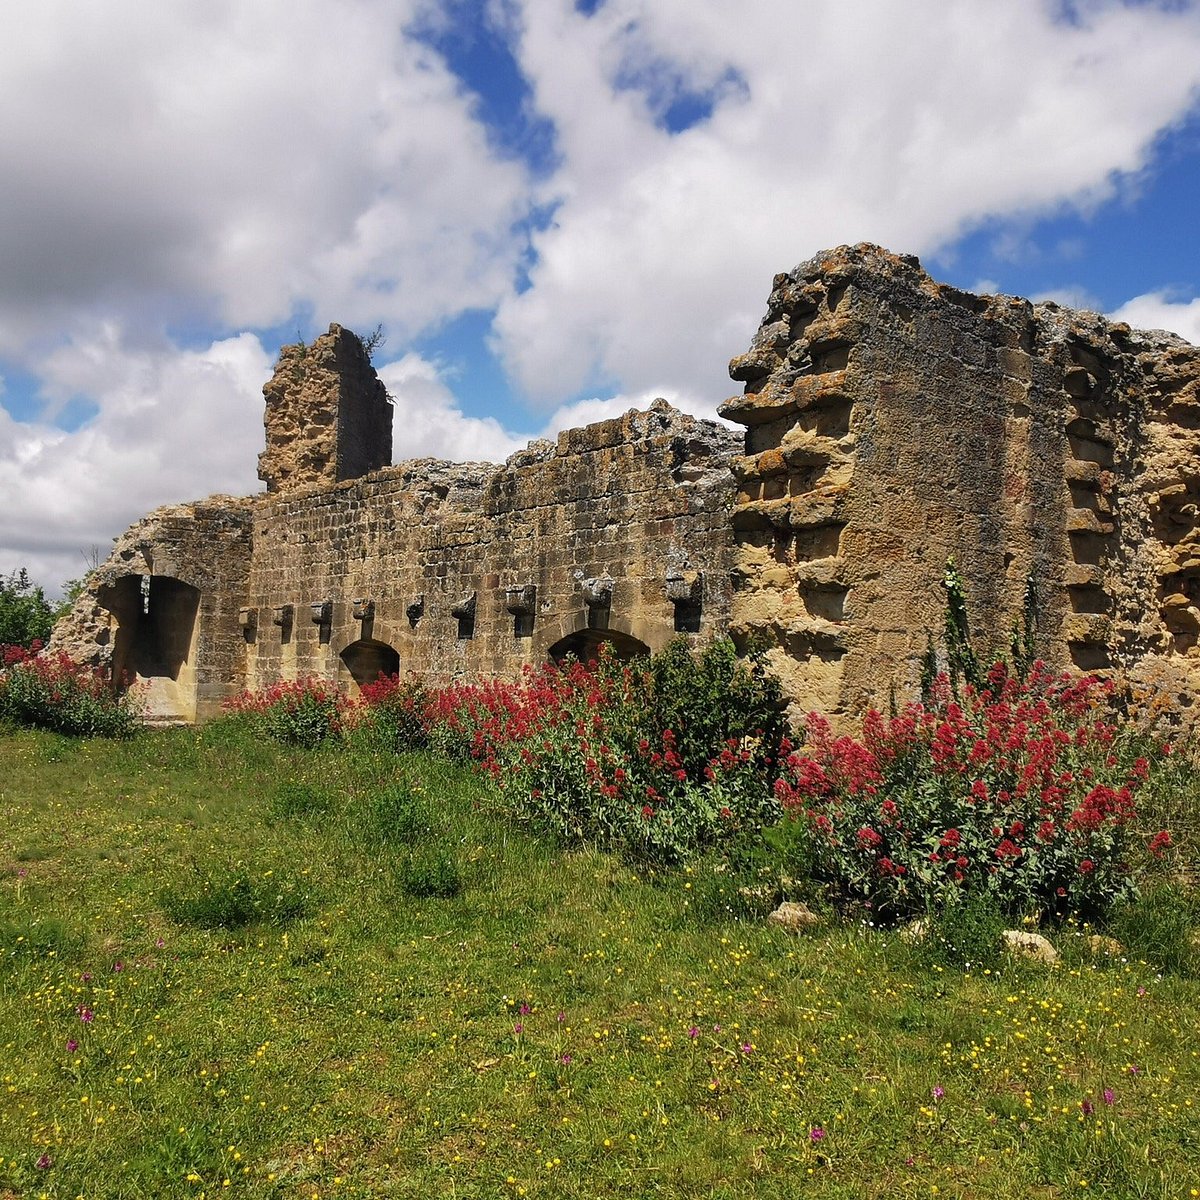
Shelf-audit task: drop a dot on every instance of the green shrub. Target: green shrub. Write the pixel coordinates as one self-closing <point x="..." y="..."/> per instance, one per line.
<point x="965" y="931"/>
<point x="398" y="814"/>
<point x="1019" y="789"/>
<point x="302" y="713"/>
<point x="657" y="760"/>
<point x="1160" y="927"/>
<point x="429" y="873"/>
<point x="229" y="898"/>
<point x="42" y="691"/>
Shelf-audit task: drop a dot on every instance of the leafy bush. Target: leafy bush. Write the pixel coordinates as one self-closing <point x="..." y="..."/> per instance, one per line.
<point x="591" y="752"/>
<point x="429" y="873"/>
<point x="1160" y="927"/>
<point x="26" y="616"/>
<point x="395" y="706"/>
<point x="229" y="897"/>
<point x="44" y="691"/>
<point x="398" y="813"/>
<point x="1021" y="790"/>
<point x="965" y="931"/>
<point x="302" y="713"/>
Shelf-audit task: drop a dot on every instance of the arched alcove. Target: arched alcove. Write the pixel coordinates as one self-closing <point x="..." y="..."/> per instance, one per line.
<point x="585" y="644"/>
<point x="155" y="643"/>
<point x="367" y="659"/>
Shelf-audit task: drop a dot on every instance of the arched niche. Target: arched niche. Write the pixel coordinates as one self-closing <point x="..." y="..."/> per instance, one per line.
<point x="585" y="645"/>
<point x="367" y="659"/>
<point x="155" y="644"/>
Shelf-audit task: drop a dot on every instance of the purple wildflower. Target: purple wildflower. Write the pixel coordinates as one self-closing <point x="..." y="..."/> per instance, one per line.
<point x="816" y="1134"/>
<point x="518" y="1028"/>
<point x="938" y="1092"/>
<point x="44" y="1163"/>
<point x="72" y="1045"/>
<point x="1087" y="1108"/>
<point x="1110" y="1097"/>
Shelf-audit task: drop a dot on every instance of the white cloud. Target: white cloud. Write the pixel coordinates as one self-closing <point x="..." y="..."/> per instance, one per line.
<point x="428" y="422"/>
<point x="900" y="124"/>
<point x="173" y="426"/>
<point x="1157" y="310"/>
<point x="167" y="162"/>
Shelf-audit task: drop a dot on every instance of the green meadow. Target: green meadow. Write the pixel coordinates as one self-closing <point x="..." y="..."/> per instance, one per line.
<point x="233" y="968"/>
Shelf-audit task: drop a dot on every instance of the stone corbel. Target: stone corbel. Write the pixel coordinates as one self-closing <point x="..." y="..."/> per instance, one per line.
<point x="415" y="609"/>
<point x="464" y="607"/>
<point x="322" y="611"/>
<point x="283" y="616"/>
<point x="363" y="608"/>
<point x="597" y="593"/>
<point x="520" y="599"/>
<point x="248" y="620"/>
<point x="684" y="587"/>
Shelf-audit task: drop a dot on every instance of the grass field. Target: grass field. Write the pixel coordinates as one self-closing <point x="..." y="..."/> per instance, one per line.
<point x="232" y="969"/>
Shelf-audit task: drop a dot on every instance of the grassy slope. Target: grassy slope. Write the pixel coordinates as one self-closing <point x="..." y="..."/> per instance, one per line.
<point x="376" y="1044"/>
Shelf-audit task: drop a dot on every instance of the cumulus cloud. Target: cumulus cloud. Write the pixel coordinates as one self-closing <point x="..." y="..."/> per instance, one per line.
<point x="238" y="163"/>
<point x="1158" y="310"/>
<point x="829" y="122"/>
<point x="173" y="425"/>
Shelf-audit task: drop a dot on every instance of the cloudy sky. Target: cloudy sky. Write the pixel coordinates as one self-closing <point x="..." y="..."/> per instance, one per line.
<point x="556" y="210"/>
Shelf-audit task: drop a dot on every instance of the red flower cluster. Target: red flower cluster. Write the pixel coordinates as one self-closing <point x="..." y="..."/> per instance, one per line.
<point x="1020" y="788"/>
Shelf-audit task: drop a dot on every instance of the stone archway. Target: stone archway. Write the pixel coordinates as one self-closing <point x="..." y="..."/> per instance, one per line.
<point x="367" y="659"/>
<point x="155" y="644"/>
<point x="585" y="644"/>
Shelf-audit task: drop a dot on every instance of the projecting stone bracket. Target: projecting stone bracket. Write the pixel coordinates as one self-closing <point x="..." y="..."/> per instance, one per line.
<point x="363" y="609"/>
<point x="283" y="616"/>
<point x="685" y="590"/>
<point x="248" y="621"/>
<point x="463" y="611"/>
<point x="521" y="601"/>
<point x="597" y="595"/>
<point x="415" y="609"/>
<point x="322" y="618"/>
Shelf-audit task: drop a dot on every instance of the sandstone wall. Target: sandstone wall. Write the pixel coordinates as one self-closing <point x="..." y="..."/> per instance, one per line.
<point x="327" y="417"/>
<point x="163" y="610"/>
<point x="894" y="422"/>
<point x="618" y="530"/>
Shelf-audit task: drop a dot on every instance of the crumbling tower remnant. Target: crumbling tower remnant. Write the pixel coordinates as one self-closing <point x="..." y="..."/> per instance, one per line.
<point x="328" y="416"/>
<point x="894" y="423"/>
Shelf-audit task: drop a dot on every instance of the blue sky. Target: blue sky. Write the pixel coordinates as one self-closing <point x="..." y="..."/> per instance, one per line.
<point x="557" y="210"/>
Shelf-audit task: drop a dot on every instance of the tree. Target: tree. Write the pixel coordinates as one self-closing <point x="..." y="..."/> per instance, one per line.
<point x="26" y="616"/>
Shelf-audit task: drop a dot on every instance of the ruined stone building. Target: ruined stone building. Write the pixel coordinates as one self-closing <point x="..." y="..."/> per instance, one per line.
<point x="891" y="423"/>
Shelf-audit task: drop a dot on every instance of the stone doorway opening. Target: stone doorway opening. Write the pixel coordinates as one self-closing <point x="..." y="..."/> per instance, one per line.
<point x="367" y="659"/>
<point x="585" y="645"/>
<point x="155" y="644"/>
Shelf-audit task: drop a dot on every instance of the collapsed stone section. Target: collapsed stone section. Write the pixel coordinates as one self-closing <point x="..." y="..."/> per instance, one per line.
<point x="328" y="416"/>
<point x="163" y="611"/>
<point x="894" y="423"/>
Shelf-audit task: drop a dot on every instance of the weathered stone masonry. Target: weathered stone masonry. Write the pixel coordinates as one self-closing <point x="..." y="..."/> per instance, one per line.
<point x="892" y="423"/>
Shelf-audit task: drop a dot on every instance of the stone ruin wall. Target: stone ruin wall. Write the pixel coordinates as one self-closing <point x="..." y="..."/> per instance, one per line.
<point x="162" y="610"/>
<point x="893" y="423"/>
<point x="618" y="531"/>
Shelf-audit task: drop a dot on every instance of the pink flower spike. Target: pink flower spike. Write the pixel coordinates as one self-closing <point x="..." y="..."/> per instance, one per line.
<point x="518" y="1028"/>
<point x="816" y="1134"/>
<point x="1110" y="1097"/>
<point x="44" y="1163"/>
<point x="938" y="1092"/>
<point x="72" y="1045"/>
<point x="694" y="1032"/>
<point x="1086" y="1108"/>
